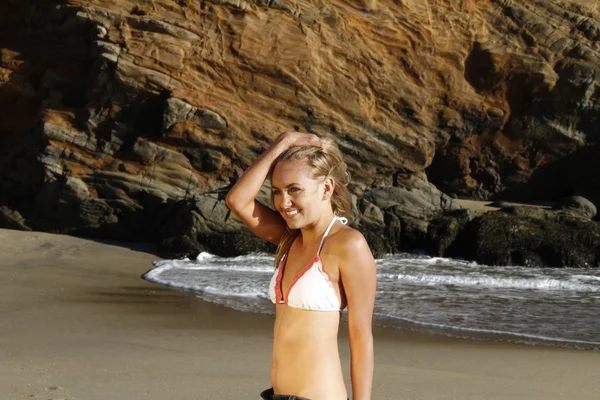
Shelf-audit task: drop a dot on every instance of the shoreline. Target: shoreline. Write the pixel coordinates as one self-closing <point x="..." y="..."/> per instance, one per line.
<point x="435" y="331"/>
<point x="79" y="322"/>
<point x="257" y="303"/>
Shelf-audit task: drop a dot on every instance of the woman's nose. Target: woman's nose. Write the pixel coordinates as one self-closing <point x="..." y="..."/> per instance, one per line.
<point x="284" y="200"/>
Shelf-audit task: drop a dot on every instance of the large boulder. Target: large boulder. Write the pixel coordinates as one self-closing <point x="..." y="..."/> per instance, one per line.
<point x="526" y="236"/>
<point x="205" y="224"/>
<point x="402" y="214"/>
<point x="578" y="205"/>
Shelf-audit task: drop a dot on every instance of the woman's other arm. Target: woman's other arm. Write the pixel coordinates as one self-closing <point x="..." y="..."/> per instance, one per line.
<point x="359" y="279"/>
<point x="241" y="199"/>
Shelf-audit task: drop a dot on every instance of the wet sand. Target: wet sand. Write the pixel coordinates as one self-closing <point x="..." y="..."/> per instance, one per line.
<point x="78" y="322"/>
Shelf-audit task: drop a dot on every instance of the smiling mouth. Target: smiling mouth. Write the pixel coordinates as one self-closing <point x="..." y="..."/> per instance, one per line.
<point x="290" y="213"/>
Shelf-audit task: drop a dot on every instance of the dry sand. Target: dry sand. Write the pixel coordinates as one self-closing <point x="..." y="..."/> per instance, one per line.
<point x="78" y="322"/>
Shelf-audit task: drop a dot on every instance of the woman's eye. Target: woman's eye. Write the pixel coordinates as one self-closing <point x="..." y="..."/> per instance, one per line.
<point x="293" y="190"/>
<point x="275" y="192"/>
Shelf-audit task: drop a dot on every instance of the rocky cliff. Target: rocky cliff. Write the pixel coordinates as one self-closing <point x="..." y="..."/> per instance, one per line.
<point x="131" y="119"/>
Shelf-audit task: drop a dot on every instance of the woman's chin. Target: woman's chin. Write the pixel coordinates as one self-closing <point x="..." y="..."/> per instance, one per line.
<point x="293" y="223"/>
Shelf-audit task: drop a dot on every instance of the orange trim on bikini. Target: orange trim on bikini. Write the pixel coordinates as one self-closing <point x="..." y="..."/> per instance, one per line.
<point x="278" y="291"/>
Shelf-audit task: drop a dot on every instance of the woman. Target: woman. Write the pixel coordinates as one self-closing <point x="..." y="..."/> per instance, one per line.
<point x="322" y="267"/>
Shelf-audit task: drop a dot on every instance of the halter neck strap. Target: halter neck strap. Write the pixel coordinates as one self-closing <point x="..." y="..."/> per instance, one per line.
<point x="343" y="220"/>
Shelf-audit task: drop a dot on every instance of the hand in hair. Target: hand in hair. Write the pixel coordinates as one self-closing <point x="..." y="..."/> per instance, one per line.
<point x="241" y="199"/>
<point x="298" y="139"/>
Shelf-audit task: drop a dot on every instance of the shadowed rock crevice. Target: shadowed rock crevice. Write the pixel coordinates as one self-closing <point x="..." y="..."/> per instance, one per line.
<point x="575" y="175"/>
<point x="481" y="70"/>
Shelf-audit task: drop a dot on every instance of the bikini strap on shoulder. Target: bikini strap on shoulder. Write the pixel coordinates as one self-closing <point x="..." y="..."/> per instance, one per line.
<point x="343" y="220"/>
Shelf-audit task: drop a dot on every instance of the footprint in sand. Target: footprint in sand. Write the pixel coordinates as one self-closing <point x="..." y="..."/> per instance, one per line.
<point x="58" y="389"/>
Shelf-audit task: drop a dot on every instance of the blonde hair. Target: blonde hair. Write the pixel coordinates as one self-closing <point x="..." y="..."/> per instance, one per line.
<point x="325" y="161"/>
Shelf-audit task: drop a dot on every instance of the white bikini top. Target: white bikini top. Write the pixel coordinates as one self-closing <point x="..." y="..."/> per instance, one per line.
<point x="311" y="288"/>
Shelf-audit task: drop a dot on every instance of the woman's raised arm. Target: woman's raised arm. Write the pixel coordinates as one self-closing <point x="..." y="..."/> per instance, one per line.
<point x="241" y="199"/>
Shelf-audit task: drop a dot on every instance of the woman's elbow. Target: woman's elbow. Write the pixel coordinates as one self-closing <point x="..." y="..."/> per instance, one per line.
<point x="229" y="199"/>
<point x="232" y="201"/>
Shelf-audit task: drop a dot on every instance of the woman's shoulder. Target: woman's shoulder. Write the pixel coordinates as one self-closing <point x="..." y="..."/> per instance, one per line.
<point x="346" y="242"/>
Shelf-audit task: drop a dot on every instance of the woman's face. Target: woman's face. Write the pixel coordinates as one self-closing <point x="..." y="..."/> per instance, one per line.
<point x="299" y="198"/>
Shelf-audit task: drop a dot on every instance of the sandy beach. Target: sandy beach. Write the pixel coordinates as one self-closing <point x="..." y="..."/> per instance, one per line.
<point x="78" y="322"/>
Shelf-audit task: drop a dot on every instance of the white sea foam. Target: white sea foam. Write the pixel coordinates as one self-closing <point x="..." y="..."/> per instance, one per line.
<point x="586" y="278"/>
<point x="494" y="282"/>
<point x="204" y="256"/>
<point x="441" y="261"/>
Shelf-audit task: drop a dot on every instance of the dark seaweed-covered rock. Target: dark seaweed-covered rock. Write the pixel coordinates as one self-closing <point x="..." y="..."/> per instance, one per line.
<point x="206" y="225"/>
<point x="519" y="236"/>
<point x="442" y="233"/>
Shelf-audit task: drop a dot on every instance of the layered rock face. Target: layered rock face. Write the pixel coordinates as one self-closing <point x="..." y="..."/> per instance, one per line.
<point x="130" y="120"/>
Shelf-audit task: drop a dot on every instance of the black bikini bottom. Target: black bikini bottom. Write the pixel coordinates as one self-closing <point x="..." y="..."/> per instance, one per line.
<point x="269" y="394"/>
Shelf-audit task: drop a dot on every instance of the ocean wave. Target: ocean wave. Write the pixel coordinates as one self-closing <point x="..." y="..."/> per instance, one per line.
<point x="494" y="282"/>
<point x="247" y="292"/>
<point x="193" y="266"/>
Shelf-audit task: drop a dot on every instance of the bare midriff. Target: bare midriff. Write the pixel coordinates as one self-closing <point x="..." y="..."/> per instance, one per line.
<point x="306" y="360"/>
